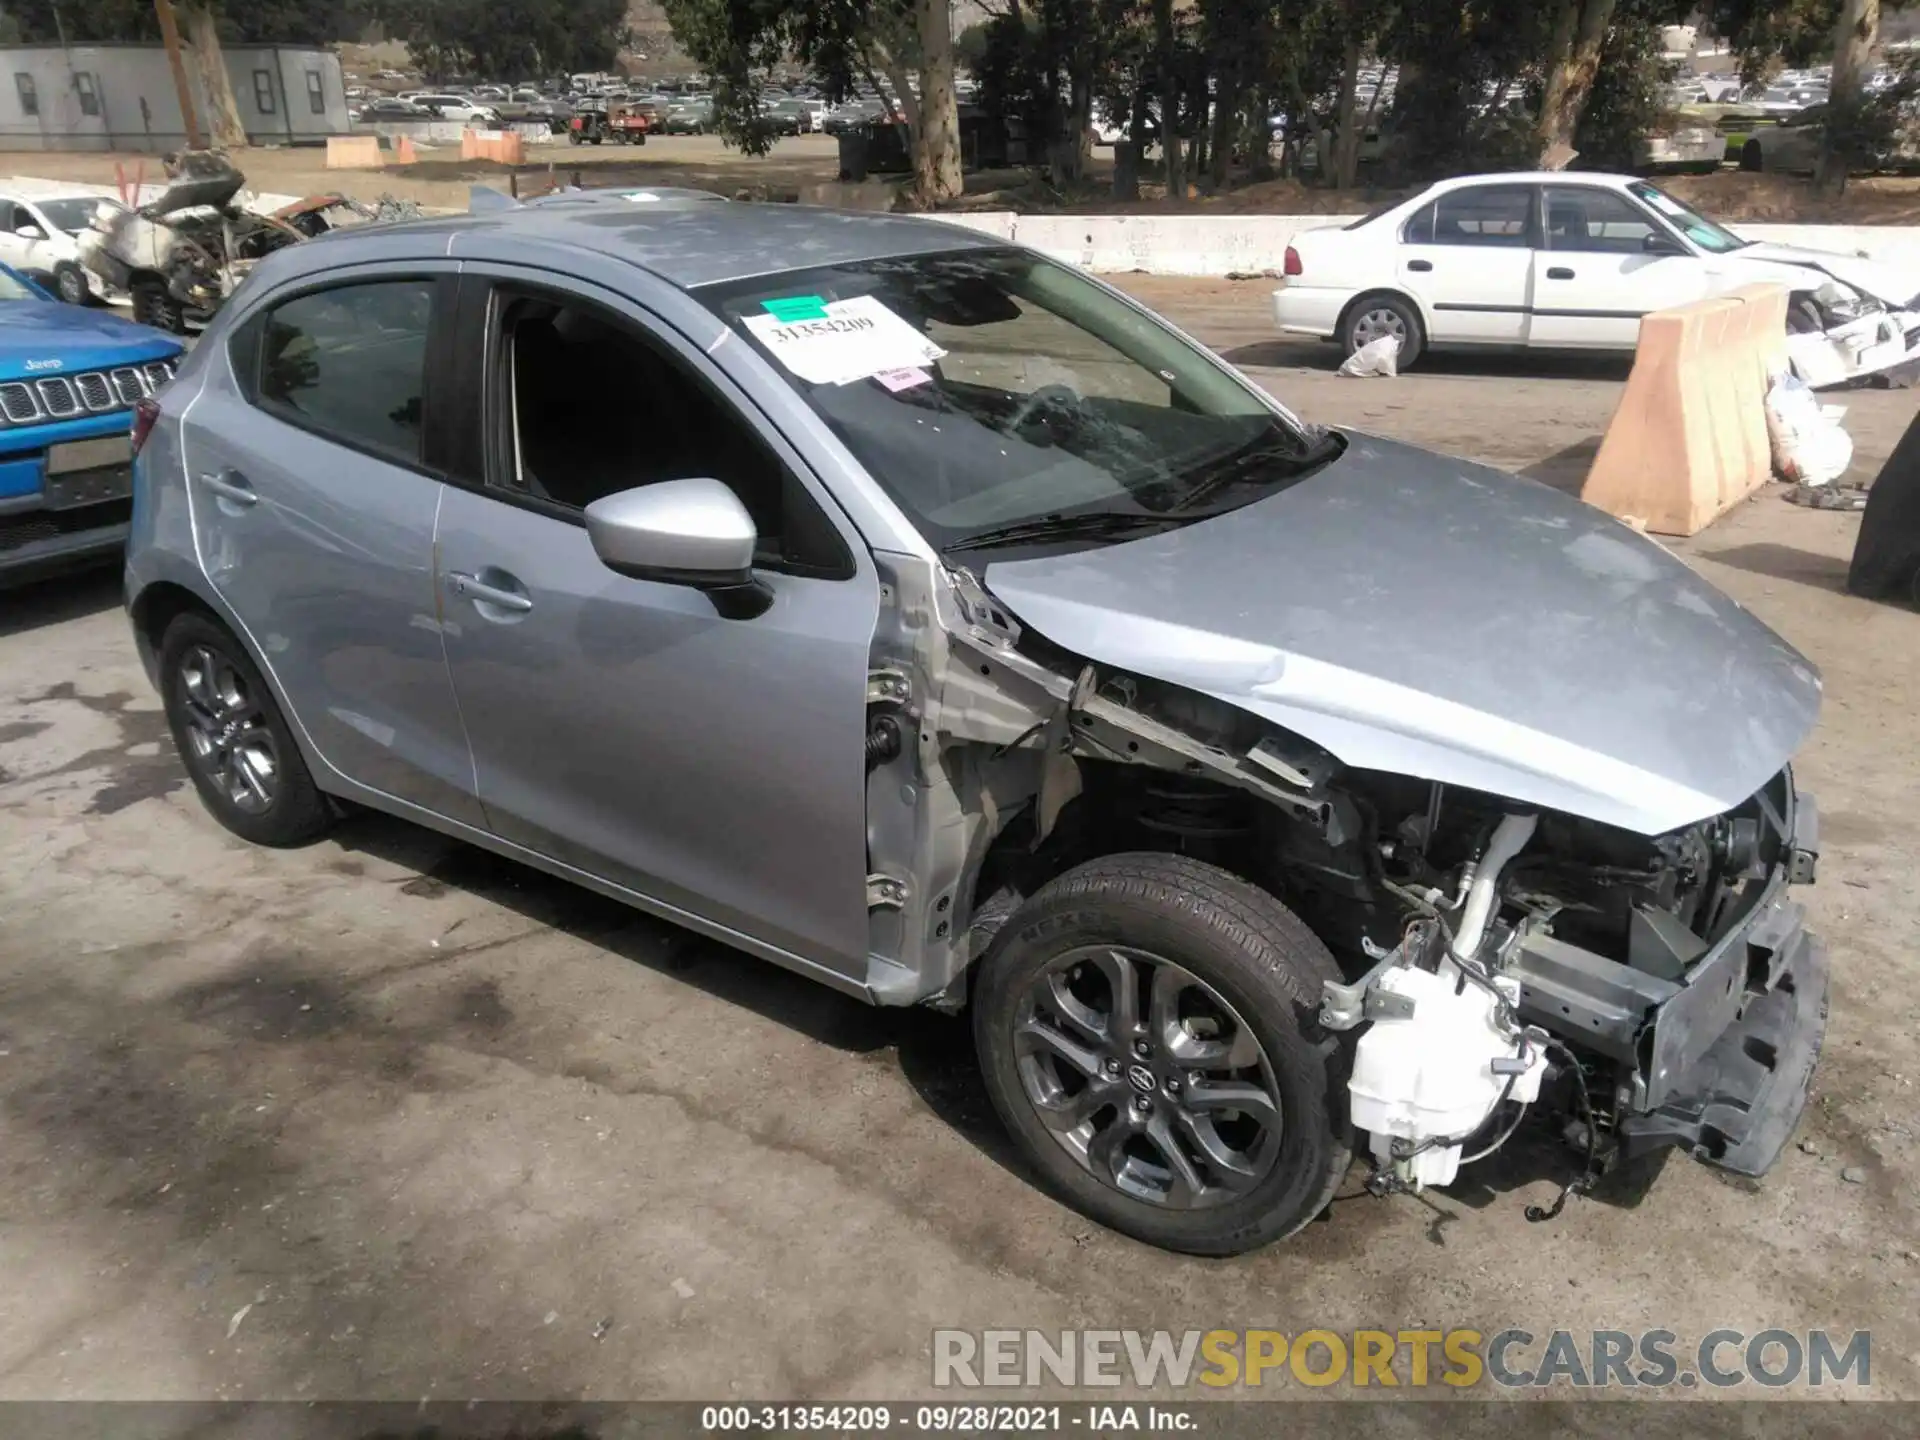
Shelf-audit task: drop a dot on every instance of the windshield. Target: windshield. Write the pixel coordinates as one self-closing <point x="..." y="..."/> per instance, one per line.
<point x="71" y="214"/>
<point x="1713" y="238"/>
<point x="996" y="391"/>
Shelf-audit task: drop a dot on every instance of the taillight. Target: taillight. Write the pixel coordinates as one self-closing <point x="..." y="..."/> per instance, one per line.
<point x="1293" y="262"/>
<point x="145" y="412"/>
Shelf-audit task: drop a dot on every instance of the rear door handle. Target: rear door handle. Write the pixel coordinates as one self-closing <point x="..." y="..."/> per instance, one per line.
<point x="232" y="485"/>
<point x="1559" y="272"/>
<point x="472" y="587"/>
<point x="1421" y="265"/>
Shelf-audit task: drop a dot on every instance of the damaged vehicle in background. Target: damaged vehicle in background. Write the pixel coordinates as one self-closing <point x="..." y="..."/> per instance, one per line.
<point x="181" y="254"/>
<point x="965" y="636"/>
<point x="1571" y="261"/>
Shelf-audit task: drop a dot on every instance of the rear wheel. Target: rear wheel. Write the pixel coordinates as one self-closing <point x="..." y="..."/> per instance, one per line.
<point x="1375" y="317"/>
<point x="1751" y="157"/>
<point x="1147" y="1026"/>
<point x="233" y="739"/>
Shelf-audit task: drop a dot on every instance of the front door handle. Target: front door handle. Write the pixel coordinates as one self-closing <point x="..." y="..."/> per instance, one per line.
<point x="232" y="485"/>
<point x="481" y="592"/>
<point x="1421" y="265"/>
<point x="1559" y="272"/>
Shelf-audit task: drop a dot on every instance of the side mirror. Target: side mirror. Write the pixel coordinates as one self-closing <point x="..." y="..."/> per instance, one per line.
<point x="678" y="532"/>
<point x="30" y="232"/>
<point x="1654" y="243"/>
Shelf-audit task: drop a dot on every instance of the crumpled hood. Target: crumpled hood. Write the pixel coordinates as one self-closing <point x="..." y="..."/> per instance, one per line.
<point x="1431" y="617"/>
<point x="1894" y="285"/>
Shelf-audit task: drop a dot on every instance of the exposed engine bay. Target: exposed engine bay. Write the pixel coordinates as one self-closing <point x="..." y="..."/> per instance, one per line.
<point x="184" y="252"/>
<point x="1499" y="960"/>
<point x="1836" y="333"/>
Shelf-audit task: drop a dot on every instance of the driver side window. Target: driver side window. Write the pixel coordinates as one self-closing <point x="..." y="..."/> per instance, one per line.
<point x="590" y="407"/>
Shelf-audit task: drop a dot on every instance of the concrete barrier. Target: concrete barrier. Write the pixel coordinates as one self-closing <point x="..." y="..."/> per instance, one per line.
<point x="354" y="152"/>
<point x="1688" y="440"/>
<point x="403" y="151"/>
<point x="501" y="146"/>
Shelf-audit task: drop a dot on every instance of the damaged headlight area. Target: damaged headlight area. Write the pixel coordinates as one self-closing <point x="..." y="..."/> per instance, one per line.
<point x="1836" y="333"/>
<point x="1500" y="963"/>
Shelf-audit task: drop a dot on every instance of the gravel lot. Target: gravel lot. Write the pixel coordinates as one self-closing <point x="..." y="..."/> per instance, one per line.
<point x="388" y="1117"/>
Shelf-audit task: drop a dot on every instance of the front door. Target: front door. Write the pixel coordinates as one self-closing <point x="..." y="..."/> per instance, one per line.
<point x="313" y="507"/>
<point x="628" y="728"/>
<point x="1468" y="257"/>
<point x="1596" y="277"/>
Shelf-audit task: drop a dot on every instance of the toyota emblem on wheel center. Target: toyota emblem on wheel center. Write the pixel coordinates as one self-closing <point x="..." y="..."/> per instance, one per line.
<point x="1141" y="1077"/>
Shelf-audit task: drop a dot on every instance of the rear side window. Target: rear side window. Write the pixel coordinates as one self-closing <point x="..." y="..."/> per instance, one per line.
<point x="349" y="363"/>
<point x="1489" y="215"/>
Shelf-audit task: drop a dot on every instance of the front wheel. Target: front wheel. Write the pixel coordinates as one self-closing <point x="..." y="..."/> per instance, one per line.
<point x="153" y="304"/>
<point x="1751" y="157"/>
<point x="1375" y="317"/>
<point x="70" y="283"/>
<point x="1147" y="1027"/>
<point x="233" y="739"/>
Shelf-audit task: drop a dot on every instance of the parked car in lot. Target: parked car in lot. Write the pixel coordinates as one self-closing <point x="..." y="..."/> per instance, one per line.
<point x="1569" y="260"/>
<point x="1793" y="146"/>
<point x="73" y="384"/>
<point x="39" y="237"/>
<point x="458" y="108"/>
<point x="392" y="110"/>
<point x="964" y="636"/>
<point x="688" y="117"/>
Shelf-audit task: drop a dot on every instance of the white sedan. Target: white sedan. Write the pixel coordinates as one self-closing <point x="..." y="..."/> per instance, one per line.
<point x="1571" y="261"/>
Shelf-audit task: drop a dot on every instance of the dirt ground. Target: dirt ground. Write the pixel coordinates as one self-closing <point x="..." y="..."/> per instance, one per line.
<point x="796" y="161"/>
<point x="387" y="1117"/>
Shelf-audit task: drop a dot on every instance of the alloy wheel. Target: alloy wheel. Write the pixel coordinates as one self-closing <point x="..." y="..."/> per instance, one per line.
<point x="1148" y="1077"/>
<point x="227" y="730"/>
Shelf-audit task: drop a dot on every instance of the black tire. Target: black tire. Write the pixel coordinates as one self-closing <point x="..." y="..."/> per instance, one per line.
<point x="293" y="811"/>
<point x="1751" y="158"/>
<point x="153" y="304"/>
<point x="573" y="137"/>
<point x="1354" y="332"/>
<point x="1250" y="950"/>
<point x="70" y="284"/>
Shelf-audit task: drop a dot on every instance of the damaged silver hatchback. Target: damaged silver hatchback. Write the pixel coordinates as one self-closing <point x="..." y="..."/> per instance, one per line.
<point x="920" y="614"/>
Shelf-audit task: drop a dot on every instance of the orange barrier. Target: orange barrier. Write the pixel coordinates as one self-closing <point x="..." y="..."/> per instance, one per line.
<point x="1689" y="439"/>
<point x="403" y="151"/>
<point x="502" y="146"/>
<point x="354" y="152"/>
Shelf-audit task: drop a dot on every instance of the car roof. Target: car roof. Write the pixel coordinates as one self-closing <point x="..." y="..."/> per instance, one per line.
<point x="1532" y="177"/>
<point x="685" y="245"/>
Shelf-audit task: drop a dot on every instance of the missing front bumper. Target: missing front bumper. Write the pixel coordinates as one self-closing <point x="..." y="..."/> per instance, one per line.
<point x="1736" y="1105"/>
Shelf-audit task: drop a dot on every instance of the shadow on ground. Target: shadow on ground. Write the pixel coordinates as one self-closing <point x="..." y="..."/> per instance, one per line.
<point x="1566" y="470"/>
<point x="30" y="605"/>
<point x="1784" y="562"/>
<point x="934" y="1051"/>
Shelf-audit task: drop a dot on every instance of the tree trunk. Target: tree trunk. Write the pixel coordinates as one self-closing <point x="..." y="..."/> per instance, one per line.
<point x="1163" y="36"/>
<point x="223" y="111"/>
<point x="936" y="147"/>
<point x="1226" y="117"/>
<point x="1573" y="59"/>
<point x="1345" y="160"/>
<point x="1854" y="36"/>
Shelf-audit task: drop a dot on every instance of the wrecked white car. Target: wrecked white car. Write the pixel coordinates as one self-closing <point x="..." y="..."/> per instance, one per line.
<point x="962" y="635"/>
<point x="1571" y="261"/>
<point x="183" y="253"/>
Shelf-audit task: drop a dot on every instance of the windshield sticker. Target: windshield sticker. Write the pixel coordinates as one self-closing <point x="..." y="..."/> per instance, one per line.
<point x="850" y="340"/>
<point x="789" y="308"/>
<point x="898" y="380"/>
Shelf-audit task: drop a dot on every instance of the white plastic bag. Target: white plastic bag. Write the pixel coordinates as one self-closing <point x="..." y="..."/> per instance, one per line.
<point x="1376" y="357"/>
<point x="1809" y="445"/>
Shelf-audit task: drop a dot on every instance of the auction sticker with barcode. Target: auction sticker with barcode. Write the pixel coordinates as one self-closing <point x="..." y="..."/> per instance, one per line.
<point x="835" y="342"/>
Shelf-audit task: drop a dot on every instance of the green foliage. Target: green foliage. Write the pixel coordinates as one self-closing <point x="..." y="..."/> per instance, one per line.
<point x="502" y="39"/>
<point x="1625" y="102"/>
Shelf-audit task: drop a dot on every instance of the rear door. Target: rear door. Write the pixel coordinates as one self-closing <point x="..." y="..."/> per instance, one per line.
<point x="1468" y="258"/>
<point x="1595" y="276"/>
<point x="313" y="477"/>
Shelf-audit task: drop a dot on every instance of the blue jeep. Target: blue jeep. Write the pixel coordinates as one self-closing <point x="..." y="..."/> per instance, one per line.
<point x="70" y="379"/>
